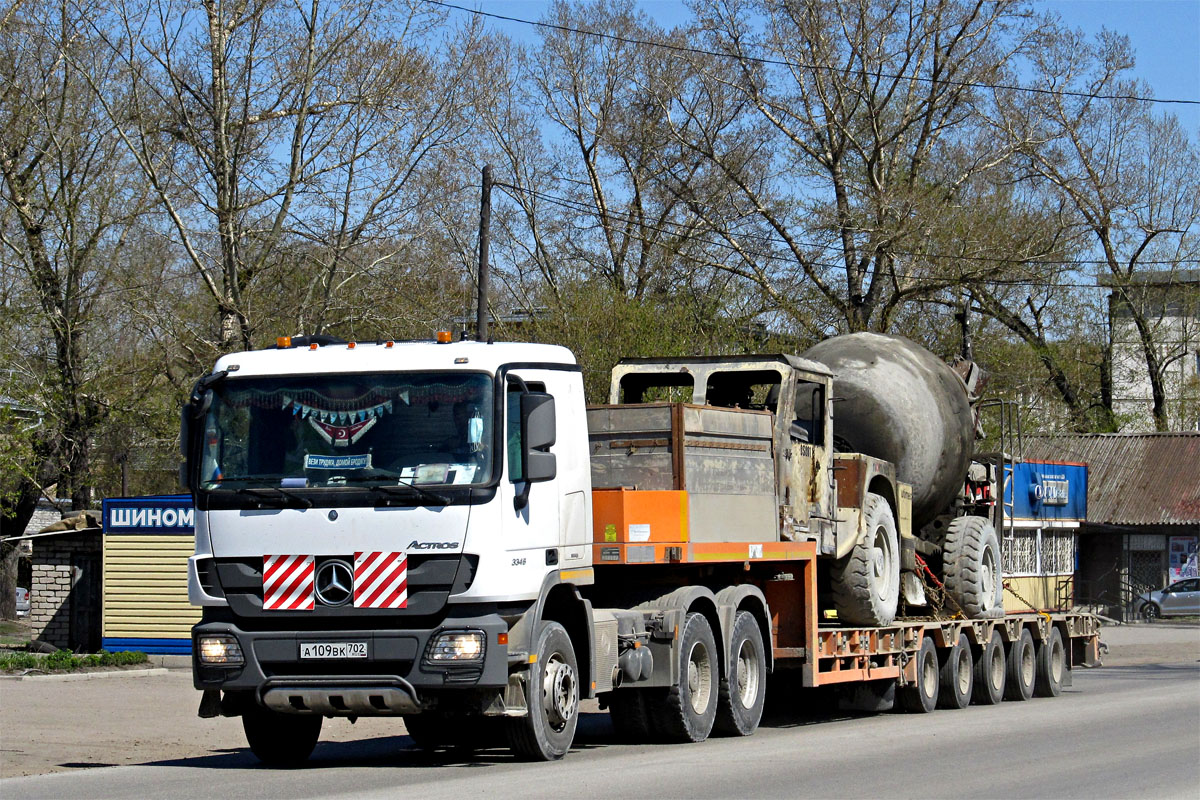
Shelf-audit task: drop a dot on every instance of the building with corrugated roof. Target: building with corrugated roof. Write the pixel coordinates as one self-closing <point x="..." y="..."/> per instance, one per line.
<point x="1143" y="511"/>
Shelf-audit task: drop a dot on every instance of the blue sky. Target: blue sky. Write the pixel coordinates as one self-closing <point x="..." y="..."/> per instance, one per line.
<point x="1165" y="35"/>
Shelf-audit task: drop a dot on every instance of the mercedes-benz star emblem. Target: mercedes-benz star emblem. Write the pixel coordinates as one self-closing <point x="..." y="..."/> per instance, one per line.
<point x="335" y="582"/>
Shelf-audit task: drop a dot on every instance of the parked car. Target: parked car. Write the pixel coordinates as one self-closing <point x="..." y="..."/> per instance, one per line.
<point x="1180" y="598"/>
<point x="22" y="602"/>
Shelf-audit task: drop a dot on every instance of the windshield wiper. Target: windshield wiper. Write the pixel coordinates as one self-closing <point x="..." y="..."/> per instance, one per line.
<point x="259" y="492"/>
<point x="404" y="488"/>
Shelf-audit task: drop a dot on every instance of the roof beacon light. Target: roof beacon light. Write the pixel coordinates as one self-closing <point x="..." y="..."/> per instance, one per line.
<point x="313" y="346"/>
<point x="444" y="337"/>
<point x="388" y="344"/>
<point x="283" y="341"/>
<point x="351" y="345"/>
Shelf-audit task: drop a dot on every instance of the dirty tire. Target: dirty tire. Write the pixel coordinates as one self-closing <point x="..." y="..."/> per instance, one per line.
<point x="280" y="740"/>
<point x="990" y="672"/>
<point x="921" y="697"/>
<point x="547" y="731"/>
<point x="866" y="582"/>
<point x="630" y="715"/>
<point x="972" y="567"/>
<point x="743" y="690"/>
<point x="957" y="675"/>
<point x="686" y="712"/>
<point x="1021" y="671"/>
<point x="1051" y="665"/>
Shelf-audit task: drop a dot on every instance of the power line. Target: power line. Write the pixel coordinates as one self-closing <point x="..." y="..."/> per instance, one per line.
<point x="796" y="65"/>
<point x="580" y="206"/>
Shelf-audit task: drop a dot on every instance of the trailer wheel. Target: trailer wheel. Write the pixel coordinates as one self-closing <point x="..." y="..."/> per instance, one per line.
<point x="630" y="715"/>
<point x="921" y="696"/>
<point x="1051" y="664"/>
<point x="971" y="559"/>
<point x="546" y="732"/>
<point x="743" y="690"/>
<point x="989" y="672"/>
<point x="866" y="582"/>
<point x="1022" y="668"/>
<point x="957" y="675"/>
<point x="686" y="712"/>
<point x="280" y="740"/>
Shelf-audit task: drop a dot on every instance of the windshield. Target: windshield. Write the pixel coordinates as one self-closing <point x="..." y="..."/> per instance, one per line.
<point x="337" y="430"/>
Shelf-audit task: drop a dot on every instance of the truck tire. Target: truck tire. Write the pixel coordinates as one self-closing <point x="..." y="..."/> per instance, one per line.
<point x="1022" y="668"/>
<point x="280" y="740"/>
<point x="866" y="582"/>
<point x="972" y="567"/>
<point x="686" y="712"/>
<point x="630" y="715"/>
<point x="921" y="696"/>
<point x="1051" y="664"/>
<point x="743" y="690"/>
<point x="547" y="731"/>
<point x="957" y="675"/>
<point x="989" y="672"/>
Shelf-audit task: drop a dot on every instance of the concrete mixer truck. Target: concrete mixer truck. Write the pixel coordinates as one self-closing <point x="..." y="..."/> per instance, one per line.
<point x="445" y="532"/>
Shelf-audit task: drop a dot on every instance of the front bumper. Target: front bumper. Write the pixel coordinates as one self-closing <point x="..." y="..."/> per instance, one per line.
<point x="394" y="678"/>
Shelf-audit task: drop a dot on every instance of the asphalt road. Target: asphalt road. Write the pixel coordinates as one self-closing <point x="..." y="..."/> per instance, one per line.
<point x="1119" y="731"/>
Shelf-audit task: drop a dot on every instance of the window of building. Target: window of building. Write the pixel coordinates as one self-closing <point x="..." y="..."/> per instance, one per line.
<point x="1038" y="552"/>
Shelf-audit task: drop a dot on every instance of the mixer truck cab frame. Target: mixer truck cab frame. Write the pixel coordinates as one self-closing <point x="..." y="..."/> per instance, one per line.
<point x="850" y="504"/>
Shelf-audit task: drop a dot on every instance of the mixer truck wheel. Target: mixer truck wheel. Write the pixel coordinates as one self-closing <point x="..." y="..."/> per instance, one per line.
<point x="743" y="690"/>
<point x="866" y="583"/>
<point x="280" y="740"/>
<point x="971" y="559"/>
<point x="546" y="732"/>
<point x="686" y="712"/>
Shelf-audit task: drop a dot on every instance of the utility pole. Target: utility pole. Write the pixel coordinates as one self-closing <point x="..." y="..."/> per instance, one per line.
<point x="485" y="224"/>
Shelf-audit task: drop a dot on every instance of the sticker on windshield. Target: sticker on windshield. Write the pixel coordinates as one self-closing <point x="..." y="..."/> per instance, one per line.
<point x="312" y="461"/>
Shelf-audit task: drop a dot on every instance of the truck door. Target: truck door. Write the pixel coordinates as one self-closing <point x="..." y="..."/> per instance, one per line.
<point x="809" y="490"/>
<point x="532" y="530"/>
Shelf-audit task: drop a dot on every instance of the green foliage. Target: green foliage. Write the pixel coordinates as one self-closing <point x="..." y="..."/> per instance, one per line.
<point x="65" y="660"/>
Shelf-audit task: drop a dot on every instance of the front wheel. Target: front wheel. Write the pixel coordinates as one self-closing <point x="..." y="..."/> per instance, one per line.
<point x="1151" y="612"/>
<point x="866" y="582"/>
<point x="280" y="740"/>
<point x="547" y="731"/>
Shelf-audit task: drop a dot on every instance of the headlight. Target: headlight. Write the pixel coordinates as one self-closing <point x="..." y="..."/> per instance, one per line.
<point x="222" y="648"/>
<point x="456" y="646"/>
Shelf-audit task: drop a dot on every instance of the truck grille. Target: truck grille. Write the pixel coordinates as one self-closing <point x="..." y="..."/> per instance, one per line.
<point x="431" y="580"/>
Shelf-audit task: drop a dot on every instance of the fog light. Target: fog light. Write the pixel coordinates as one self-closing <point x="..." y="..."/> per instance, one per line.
<point x="456" y="646"/>
<point x="220" y="649"/>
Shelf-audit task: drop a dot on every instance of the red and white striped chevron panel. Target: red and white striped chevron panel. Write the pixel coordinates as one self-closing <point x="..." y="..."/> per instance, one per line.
<point x="288" y="583"/>
<point x="380" y="580"/>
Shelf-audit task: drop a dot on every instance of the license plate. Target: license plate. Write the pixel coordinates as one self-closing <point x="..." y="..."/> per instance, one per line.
<point x="333" y="649"/>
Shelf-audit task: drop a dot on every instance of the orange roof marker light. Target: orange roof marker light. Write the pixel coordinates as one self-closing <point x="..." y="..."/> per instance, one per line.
<point x="444" y="337"/>
<point x="283" y="341"/>
<point x="313" y="346"/>
<point x="351" y="345"/>
<point x="389" y="343"/>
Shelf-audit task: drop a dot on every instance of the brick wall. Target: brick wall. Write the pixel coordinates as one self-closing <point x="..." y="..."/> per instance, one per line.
<point x="64" y="569"/>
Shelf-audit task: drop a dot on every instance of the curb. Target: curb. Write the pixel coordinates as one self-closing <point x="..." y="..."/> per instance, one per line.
<point x="89" y="676"/>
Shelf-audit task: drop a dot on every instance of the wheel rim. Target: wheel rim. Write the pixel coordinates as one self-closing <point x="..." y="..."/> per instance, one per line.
<point x="996" y="667"/>
<point x="747" y="674"/>
<point x="881" y="558"/>
<point x="987" y="580"/>
<point x="1150" y="611"/>
<point x="1027" y="665"/>
<point x="699" y="677"/>
<point x="964" y="673"/>
<point x="1057" y="661"/>
<point x="560" y="692"/>
<point x="929" y="677"/>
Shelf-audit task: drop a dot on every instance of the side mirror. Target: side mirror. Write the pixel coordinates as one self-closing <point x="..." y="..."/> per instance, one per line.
<point x="538" y="433"/>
